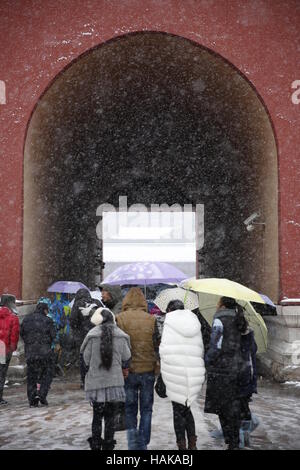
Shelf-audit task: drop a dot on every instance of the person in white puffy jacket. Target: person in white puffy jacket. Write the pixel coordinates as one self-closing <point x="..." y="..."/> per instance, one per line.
<point x="182" y="368"/>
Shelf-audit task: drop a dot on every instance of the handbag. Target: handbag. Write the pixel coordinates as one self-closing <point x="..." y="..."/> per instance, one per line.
<point x="160" y="387"/>
<point x="119" y="418"/>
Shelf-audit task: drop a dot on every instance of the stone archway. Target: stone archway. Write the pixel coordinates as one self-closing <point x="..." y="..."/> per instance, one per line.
<point x="159" y="119"/>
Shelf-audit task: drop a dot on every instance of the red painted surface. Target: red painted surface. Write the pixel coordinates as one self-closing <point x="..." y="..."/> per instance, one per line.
<point x="38" y="39"/>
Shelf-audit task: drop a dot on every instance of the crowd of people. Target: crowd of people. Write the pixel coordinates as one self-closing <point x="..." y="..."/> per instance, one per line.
<point x="124" y="353"/>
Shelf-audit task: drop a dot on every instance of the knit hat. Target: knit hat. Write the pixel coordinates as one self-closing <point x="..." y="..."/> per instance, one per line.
<point x="102" y="315"/>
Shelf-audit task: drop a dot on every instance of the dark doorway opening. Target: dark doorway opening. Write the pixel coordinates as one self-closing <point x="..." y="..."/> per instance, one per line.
<point x="161" y="120"/>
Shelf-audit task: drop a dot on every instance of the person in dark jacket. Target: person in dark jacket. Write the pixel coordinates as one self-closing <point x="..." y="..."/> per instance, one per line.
<point x="112" y="297"/>
<point x="248" y="386"/>
<point x="223" y="363"/>
<point x="82" y="311"/>
<point x="38" y="333"/>
<point x="9" y="337"/>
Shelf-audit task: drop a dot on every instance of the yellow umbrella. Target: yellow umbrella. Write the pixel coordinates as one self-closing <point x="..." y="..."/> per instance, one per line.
<point x="223" y="287"/>
<point x="208" y="306"/>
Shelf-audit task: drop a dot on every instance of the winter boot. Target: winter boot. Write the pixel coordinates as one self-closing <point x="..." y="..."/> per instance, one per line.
<point x="34" y="403"/>
<point x="192" y="443"/>
<point x="43" y="402"/>
<point x="181" y="444"/>
<point x="95" y="444"/>
<point x="108" y="445"/>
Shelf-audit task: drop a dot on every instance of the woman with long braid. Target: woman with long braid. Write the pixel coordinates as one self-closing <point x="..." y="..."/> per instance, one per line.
<point x="106" y="352"/>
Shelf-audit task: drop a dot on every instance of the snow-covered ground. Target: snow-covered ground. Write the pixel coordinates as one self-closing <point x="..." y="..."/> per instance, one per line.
<point x="66" y="423"/>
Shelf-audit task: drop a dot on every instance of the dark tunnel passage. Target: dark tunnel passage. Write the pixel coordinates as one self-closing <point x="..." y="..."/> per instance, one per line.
<point x="161" y="120"/>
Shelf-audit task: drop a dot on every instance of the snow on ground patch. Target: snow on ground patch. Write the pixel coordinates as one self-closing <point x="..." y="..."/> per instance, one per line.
<point x="296" y="384"/>
<point x="66" y="423"/>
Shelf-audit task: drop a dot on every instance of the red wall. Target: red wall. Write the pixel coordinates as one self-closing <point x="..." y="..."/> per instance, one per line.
<point x="39" y="38"/>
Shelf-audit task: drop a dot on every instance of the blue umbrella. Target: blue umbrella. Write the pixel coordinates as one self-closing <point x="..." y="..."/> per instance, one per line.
<point x="66" y="287"/>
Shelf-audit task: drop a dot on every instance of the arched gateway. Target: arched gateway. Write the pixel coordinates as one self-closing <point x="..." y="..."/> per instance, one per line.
<point x="160" y="119"/>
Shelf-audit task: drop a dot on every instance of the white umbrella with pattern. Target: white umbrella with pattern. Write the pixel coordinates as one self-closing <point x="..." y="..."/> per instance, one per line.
<point x="189" y="299"/>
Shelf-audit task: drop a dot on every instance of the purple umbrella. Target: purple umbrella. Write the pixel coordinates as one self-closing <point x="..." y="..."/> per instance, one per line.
<point x="145" y="273"/>
<point x="267" y="300"/>
<point x="66" y="287"/>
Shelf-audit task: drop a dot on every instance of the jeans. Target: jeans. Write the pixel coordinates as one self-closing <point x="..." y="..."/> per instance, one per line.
<point x="183" y="422"/>
<point x="39" y="370"/>
<point x="139" y="395"/>
<point x="3" y="372"/>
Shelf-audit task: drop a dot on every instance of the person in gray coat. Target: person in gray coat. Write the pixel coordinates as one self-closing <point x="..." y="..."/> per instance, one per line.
<point x="106" y="352"/>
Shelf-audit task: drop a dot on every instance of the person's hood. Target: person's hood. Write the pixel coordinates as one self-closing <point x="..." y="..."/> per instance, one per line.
<point x="5" y="312"/>
<point x="183" y="322"/>
<point x="134" y="300"/>
<point x="114" y="291"/>
<point x="40" y="309"/>
<point x="9" y="301"/>
<point x="83" y="294"/>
